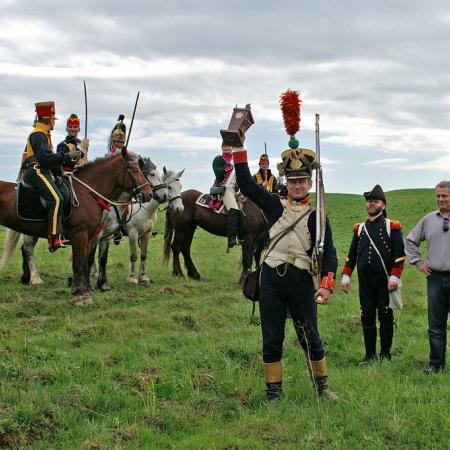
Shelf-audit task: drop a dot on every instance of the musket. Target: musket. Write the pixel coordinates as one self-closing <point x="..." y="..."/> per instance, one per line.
<point x="132" y="120"/>
<point x="320" y="206"/>
<point x="85" y="110"/>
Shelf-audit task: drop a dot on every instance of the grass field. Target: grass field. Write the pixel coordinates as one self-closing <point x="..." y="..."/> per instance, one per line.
<point x="178" y="364"/>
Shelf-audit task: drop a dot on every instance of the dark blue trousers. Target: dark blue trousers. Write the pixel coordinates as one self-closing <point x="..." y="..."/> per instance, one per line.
<point x="438" y="289"/>
<point x="288" y="287"/>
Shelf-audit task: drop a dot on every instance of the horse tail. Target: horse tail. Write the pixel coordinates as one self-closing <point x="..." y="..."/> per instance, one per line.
<point x="10" y="243"/>
<point x="168" y="236"/>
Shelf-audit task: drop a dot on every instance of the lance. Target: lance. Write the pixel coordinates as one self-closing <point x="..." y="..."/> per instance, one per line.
<point x="132" y="120"/>
<point x="320" y="205"/>
<point x="85" y="110"/>
<point x="265" y="170"/>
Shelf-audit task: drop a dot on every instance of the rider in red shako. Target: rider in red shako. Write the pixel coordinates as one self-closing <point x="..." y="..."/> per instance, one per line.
<point x="39" y="165"/>
<point x="264" y="175"/>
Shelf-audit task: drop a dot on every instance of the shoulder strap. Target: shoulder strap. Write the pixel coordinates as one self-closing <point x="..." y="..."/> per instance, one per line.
<point x="376" y="249"/>
<point x="388" y="226"/>
<point x="283" y="233"/>
<point x="360" y="228"/>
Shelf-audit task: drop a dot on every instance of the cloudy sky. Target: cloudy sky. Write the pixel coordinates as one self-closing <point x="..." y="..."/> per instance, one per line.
<point x="377" y="72"/>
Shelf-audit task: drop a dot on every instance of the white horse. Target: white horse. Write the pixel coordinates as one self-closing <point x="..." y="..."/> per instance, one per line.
<point x="140" y="221"/>
<point x="30" y="273"/>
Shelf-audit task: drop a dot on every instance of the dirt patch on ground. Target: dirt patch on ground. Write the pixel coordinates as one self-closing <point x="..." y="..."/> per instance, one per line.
<point x="147" y="378"/>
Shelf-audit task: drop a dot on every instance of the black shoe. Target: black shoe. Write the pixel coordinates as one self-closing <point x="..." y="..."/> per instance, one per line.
<point x="385" y="357"/>
<point x="368" y="359"/>
<point x="432" y="369"/>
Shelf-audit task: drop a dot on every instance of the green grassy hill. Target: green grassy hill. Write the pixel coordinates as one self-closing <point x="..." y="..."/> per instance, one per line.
<point x="178" y="364"/>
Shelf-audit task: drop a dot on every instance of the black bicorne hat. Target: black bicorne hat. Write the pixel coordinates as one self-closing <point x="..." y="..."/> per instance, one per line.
<point x="375" y="194"/>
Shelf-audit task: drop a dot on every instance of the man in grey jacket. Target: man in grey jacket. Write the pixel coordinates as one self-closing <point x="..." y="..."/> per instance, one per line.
<point x="434" y="228"/>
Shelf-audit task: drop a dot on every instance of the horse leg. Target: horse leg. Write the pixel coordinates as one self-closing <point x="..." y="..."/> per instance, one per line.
<point x="30" y="273"/>
<point x="92" y="266"/>
<point x="176" y="248"/>
<point x="247" y="257"/>
<point x="133" y="241"/>
<point x="80" y="282"/>
<point x="103" y="248"/>
<point x="143" y="278"/>
<point x="186" y="251"/>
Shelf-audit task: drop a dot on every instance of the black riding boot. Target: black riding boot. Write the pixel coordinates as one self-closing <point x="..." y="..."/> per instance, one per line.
<point x="232" y="227"/>
<point x="370" y="343"/>
<point x="386" y="336"/>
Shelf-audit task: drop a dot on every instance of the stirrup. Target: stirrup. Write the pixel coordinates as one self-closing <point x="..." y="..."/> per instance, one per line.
<point x="58" y="243"/>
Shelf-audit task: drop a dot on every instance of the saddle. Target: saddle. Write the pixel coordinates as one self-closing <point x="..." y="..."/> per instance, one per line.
<point x="32" y="207"/>
<point x="210" y="202"/>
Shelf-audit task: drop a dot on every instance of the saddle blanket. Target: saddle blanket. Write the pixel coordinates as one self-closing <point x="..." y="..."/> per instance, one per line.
<point x="204" y="199"/>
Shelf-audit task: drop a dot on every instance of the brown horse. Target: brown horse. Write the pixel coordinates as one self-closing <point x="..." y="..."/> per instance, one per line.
<point x="105" y="176"/>
<point x="252" y="227"/>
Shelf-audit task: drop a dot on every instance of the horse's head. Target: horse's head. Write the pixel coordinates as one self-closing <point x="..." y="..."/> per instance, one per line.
<point x="134" y="180"/>
<point x="172" y="181"/>
<point x="159" y="188"/>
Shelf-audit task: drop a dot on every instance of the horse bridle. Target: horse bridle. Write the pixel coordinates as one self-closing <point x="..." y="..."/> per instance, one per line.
<point x="155" y="190"/>
<point x="137" y="188"/>
<point x="172" y="199"/>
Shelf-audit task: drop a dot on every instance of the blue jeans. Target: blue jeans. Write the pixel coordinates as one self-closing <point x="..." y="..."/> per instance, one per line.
<point x="438" y="308"/>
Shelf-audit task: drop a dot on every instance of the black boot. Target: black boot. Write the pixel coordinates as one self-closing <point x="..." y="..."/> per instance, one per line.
<point x="273" y="393"/>
<point x="370" y="343"/>
<point x="386" y="336"/>
<point x="232" y="227"/>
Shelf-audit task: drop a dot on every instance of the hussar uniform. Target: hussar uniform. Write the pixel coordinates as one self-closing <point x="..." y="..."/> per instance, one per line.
<point x="39" y="164"/>
<point x="73" y="143"/>
<point x="373" y="283"/>
<point x="264" y="177"/>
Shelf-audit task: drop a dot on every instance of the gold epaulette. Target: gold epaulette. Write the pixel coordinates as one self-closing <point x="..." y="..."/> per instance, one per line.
<point x="396" y="225"/>
<point x="355" y="227"/>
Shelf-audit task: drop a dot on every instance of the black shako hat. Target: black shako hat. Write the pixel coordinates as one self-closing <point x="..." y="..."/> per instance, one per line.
<point x="375" y="194"/>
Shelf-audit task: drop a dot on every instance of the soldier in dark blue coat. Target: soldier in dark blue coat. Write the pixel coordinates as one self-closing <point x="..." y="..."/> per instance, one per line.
<point x="374" y="283"/>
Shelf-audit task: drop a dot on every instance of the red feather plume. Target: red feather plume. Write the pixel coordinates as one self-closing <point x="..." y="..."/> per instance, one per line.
<point x="290" y="107"/>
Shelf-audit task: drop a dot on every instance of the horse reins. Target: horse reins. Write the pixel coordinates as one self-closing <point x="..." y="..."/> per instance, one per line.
<point x="76" y="203"/>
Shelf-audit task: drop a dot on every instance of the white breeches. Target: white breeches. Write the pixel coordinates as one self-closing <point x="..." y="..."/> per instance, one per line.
<point x="229" y="196"/>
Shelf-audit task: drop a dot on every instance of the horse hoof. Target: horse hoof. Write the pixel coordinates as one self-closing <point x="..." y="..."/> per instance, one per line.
<point x="104" y="287"/>
<point x="36" y="281"/>
<point x="133" y="280"/>
<point x="194" y="276"/>
<point x="145" y="282"/>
